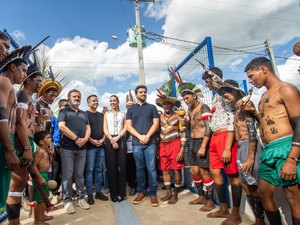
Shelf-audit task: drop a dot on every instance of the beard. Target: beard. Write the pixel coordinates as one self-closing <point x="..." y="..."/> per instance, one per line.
<point x="75" y="103"/>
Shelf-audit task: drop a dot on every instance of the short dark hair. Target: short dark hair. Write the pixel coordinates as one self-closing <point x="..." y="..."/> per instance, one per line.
<point x="61" y="101"/>
<point x="50" y="89"/>
<point x="39" y="136"/>
<point x="255" y="63"/>
<point x="17" y="62"/>
<point x="88" y="98"/>
<point x="215" y="70"/>
<point x="3" y="36"/>
<point x="72" y="91"/>
<point x="32" y="77"/>
<point x="140" y="86"/>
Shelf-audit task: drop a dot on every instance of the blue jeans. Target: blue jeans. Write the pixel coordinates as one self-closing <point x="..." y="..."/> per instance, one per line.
<point x="94" y="169"/>
<point x="73" y="163"/>
<point x="145" y="156"/>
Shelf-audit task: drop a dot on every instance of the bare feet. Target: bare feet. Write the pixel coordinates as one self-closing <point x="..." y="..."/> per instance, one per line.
<point x="232" y="220"/>
<point x="200" y="200"/>
<point x="47" y="217"/>
<point x="219" y="214"/>
<point x="209" y="205"/>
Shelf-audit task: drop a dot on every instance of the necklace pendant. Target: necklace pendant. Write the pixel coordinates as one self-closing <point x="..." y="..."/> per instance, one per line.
<point x="166" y="125"/>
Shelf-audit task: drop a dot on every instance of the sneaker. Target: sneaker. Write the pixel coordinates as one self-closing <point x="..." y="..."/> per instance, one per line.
<point x="141" y="197"/>
<point x="69" y="208"/>
<point x="101" y="196"/>
<point x="154" y="201"/>
<point x="132" y="191"/>
<point x="54" y="200"/>
<point x="83" y="204"/>
<point x="90" y="200"/>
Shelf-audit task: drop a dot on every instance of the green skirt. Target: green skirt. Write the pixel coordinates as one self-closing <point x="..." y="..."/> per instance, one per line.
<point x="36" y="195"/>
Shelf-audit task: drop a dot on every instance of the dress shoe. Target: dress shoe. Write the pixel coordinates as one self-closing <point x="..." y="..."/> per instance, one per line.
<point x="101" y="196"/>
<point x="90" y="200"/>
<point x="114" y="199"/>
<point x="121" y="199"/>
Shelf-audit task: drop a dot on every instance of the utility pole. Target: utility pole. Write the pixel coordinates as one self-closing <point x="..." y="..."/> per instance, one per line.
<point x="272" y="57"/>
<point x="139" y="41"/>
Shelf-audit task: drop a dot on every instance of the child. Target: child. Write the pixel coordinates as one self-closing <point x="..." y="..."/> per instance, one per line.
<point x="41" y="165"/>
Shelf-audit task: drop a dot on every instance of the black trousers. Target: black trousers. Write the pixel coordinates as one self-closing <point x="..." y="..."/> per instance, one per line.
<point x="116" y="167"/>
<point x="56" y="169"/>
<point x="131" y="171"/>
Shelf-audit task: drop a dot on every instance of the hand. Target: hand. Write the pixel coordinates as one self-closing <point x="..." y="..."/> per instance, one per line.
<point x="80" y="142"/>
<point x="115" y="146"/>
<point x="226" y="156"/>
<point x="26" y="158"/>
<point x="247" y="166"/>
<point x="288" y="170"/>
<point x="248" y="107"/>
<point x="201" y="152"/>
<point x="114" y="140"/>
<point x="42" y="181"/>
<point x="179" y="157"/>
<point x="100" y="142"/>
<point x="12" y="160"/>
<point x="144" y="139"/>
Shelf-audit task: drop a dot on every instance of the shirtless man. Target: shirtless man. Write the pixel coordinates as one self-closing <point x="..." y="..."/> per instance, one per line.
<point x="171" y="146"/>
<point x="249" y="148"/>
<point x="24" y="143"/>
<point x="4" y="45"/>
<point x="223" y="152"/>
<point x="199" y="114"/>
<point x="279" y="116"/>
<point x="14" y="72"/>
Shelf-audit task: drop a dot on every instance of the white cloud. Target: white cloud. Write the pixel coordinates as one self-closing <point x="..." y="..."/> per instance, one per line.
<point x="230" y="24"/>
<point x="19" y="35"/>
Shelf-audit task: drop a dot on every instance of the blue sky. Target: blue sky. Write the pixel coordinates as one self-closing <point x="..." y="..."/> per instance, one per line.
<point x="81" y="47"/>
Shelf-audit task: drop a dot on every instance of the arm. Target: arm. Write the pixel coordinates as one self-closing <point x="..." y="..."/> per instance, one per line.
<point x="21" y="127"/>
<point x="291" y="99"/>
<point x="123" y="131"/>
<point x="37" y="158"/>
<point x="206" y="117"/>
<point x="226" y="156"/>
<point x="131" y="129"/>
<point x="183" y="140"/>
<point x="82" y="141"/>
<point x="66" y="131"/>
<point x="11" y="158"/>
<point x="153" y="128"/>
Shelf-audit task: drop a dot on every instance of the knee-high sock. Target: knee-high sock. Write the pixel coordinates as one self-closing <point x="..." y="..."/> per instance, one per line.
<point x="274" y="217"/>
<point x="199" y="185"/>
<point x="220" y="189"/>
<point x="236" y="190"/>
<point x="208" y="188"/>
<point x="256" y="206"/>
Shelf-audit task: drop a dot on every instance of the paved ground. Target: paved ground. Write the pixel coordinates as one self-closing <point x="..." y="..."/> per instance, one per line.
<point x="125" y="213"/>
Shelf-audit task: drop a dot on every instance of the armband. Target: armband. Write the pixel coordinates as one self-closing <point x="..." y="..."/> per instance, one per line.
<point x="295" y="122"/>
<point x="251" y="130"/>
<point x="22" y="105"/>
<point x="296" y="144"/>
<point x="3" y="118"/>
<point x="206" y="116"/>
<point x="293" y="158"/>
<point x="182" y="139"/>
<point x="27" y="148"/>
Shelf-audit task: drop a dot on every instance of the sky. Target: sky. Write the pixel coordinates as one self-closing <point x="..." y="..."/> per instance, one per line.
<point x="82" y="50"/>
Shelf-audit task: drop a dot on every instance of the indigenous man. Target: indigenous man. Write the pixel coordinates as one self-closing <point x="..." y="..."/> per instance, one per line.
<point x="249" y="148"/>
<point x="49" y="91"/>
<point x="199" y="114"/>
<point x="279" y="116"/>
<point x="14" y="69"/>
<point x="223" y="151"/>
<point x="25" y="129"/>
<point x="171" y="146"/>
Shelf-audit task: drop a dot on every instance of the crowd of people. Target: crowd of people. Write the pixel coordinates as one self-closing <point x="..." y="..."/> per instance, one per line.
<point x="257" y="149"/>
